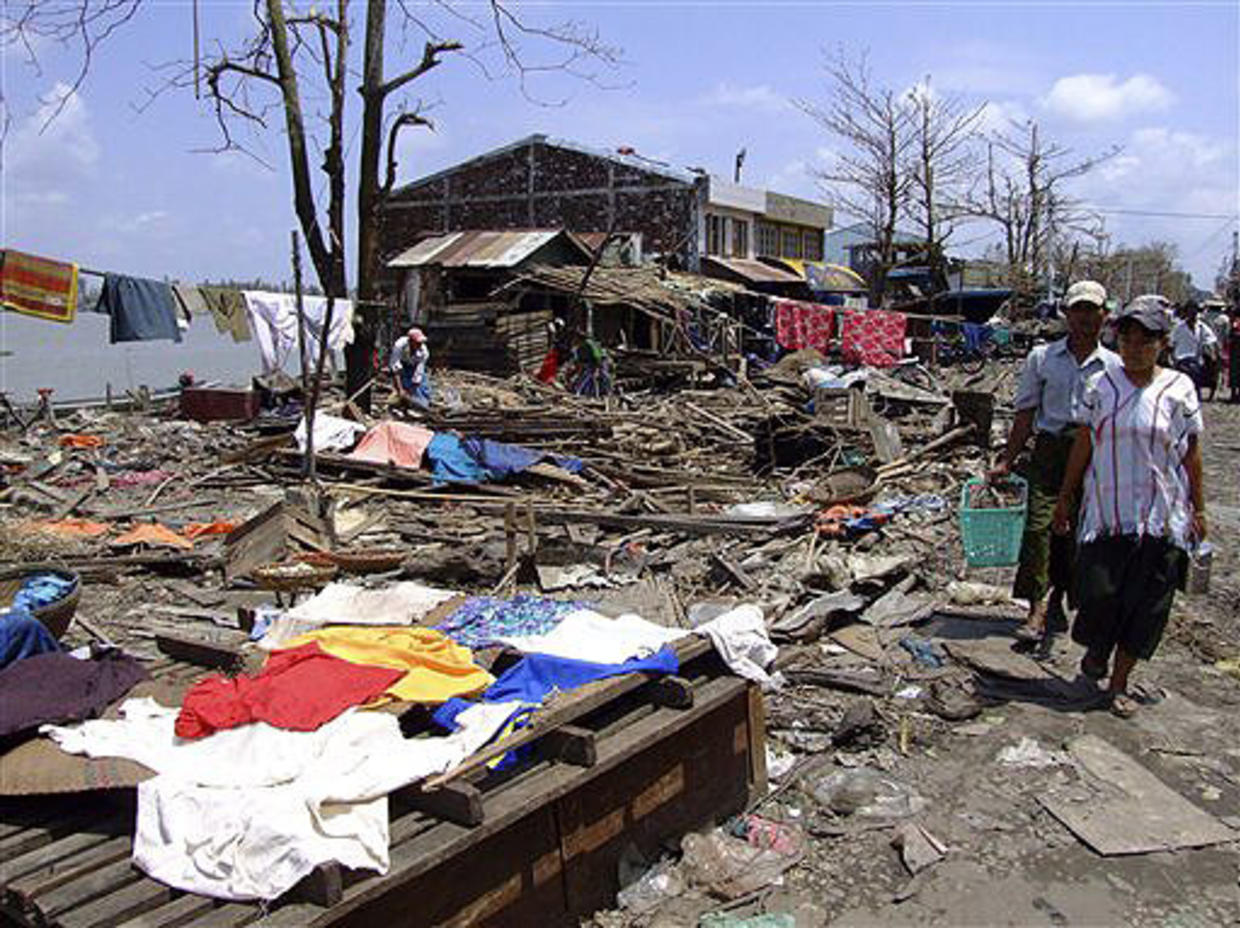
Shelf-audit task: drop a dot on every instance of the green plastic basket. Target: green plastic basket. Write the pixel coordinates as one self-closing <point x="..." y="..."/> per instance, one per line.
<point x="991" y="537"/>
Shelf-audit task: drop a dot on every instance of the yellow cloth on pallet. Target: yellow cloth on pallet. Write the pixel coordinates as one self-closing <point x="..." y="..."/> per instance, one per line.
<point x="438" y="668"/>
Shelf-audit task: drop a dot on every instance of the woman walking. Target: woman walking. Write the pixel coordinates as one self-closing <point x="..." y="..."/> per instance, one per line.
<point x="1139" y="455"/>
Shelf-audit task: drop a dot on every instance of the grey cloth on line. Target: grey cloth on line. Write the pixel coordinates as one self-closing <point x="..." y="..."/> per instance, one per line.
<point x="191" y="299"/>
<point x="141" y="310"/>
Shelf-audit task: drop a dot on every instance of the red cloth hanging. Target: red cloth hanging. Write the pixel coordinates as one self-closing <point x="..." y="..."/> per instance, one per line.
<point x="804" y="325"/>
<point x="299" y="689"/>
<point x="873" y="337"/>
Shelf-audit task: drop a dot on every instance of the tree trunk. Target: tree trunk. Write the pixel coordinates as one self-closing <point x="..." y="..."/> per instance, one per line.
<point x="303" y="197"/>
<point x="360" y="353"/>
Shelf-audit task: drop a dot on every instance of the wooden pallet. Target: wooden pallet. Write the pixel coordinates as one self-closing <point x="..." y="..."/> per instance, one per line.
<point x="626" y="761"/>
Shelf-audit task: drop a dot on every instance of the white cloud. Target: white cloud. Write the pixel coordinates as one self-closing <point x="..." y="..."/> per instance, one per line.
<point x="1165" y="170"/>
<point x="46" y="149"/>
<point x="759" y="97"/>
<point x="1086" y="97"/>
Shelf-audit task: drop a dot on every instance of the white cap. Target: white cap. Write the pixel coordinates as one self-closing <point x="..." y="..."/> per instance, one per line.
<point x="1086" y="291"/>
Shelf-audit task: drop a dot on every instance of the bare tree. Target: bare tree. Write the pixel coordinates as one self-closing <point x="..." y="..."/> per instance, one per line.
<point x="868" y="178"/>
<point x="941" y="163"/>
<point x="1022" y="191"/>
<point x="298" y="54"/>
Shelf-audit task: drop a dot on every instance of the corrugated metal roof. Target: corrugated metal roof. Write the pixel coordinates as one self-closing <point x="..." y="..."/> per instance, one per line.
<point x="476" y="249"/>
<point x="754" y="271"/>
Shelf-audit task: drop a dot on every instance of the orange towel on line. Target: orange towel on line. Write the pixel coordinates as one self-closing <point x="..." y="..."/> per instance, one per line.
<point x="37" y="286"/>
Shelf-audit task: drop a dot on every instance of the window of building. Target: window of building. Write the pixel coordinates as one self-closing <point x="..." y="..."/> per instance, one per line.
<point x="740" y="238"/>
<point x="768" y="240"/>
<point x="791" y="244"/>
<point x="714" y="235"/>
<point x="812" y="245"/>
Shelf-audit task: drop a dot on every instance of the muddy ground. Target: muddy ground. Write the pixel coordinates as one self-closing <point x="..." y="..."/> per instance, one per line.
<point x="1008" y="861"/>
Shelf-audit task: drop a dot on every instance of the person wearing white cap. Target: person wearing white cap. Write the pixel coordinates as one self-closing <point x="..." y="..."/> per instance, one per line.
<point x="408" y="365"/>
<point x="1049" y="408"/>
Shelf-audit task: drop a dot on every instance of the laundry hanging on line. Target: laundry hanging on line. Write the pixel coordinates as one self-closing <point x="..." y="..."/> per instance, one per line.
<point x="39" y="287"/>
<point x="141" y="310"/>
<point x="274" y="321"/>
<point x="804" y="325"/>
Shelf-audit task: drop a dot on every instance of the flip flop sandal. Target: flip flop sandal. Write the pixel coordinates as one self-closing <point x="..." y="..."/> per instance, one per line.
<point x="1124" y="706"/>
<point x="1028" y="633"/>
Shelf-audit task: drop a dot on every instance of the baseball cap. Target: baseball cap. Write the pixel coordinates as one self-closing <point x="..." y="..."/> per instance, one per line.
<point x="1086" y="291"/>
<point x="1148" y="312"/>
<point x="417" y="335"/>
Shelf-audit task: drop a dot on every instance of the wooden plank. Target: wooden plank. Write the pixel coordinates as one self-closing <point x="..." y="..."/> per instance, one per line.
<point x="54" y="864"/>
<point x="30" y="838"/>
<point x="454" y="802"/>
<point x="672" y="691"/>
<point x="758" y="779"/>
<point x="114" y="908"/>
<point x="177" y="912"/>
<point x="231" y="915"/>
<point x="1129" y="810"/>
<point x="91" y="886"/>
<point x="571" y="744"/>
<point x="200" y="651"/>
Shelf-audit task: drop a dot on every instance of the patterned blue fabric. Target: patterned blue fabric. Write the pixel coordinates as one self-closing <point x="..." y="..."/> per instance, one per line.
<point x="22" y="636"/>
<point x="481" y="620"/>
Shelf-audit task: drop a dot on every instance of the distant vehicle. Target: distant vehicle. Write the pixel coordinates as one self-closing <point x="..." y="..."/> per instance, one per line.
<point x="917" y="289"/>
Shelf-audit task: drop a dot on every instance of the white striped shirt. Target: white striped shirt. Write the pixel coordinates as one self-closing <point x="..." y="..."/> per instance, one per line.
<point x="1136" y="483"/>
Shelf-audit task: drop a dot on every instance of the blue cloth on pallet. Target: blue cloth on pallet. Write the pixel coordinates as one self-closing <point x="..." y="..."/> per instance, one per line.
<point x="23" y="636"/>
<point x="535" y="677"/>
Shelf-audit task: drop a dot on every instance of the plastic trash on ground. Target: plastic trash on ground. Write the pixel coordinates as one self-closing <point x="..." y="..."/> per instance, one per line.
<point x="728" y="867"/>
<point x="865" y="793"/>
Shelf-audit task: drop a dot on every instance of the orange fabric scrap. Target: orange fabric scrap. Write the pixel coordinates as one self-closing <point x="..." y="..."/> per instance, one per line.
<point x="152" y="533"/>
<point x="67" y="528"/>
<point x="81" y="441"/>
<point x="198" y="529"/>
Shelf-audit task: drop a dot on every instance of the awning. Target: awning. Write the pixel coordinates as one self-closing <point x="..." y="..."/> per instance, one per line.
<point x="754" y="272"/>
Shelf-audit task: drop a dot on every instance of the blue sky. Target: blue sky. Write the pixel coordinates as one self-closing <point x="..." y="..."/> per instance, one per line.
<point x="117" y="189"/>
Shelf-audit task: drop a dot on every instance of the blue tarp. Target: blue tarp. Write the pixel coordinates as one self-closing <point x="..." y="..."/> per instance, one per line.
<point x="475" y="460"/>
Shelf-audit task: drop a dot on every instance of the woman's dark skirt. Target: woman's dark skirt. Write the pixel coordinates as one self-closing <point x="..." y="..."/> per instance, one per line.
<point x="1125" y="585"/>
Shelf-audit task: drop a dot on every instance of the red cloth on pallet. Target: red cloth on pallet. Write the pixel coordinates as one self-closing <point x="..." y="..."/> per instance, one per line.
<point x="298" y="689"/>
<point x="804" y="325"/>
<point x="873" y="337"/>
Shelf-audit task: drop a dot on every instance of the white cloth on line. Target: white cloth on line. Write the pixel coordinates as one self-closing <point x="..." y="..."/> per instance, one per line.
<point x="741" y="638"/>
<point x="273" y="319"/>
<point x="245" y="813"/>
<point x="331" y="433"/>
<point x="586" y="635"/>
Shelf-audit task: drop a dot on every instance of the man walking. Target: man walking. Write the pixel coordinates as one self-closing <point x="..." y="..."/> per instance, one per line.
<point x="1049" y="408"/>
<point x="1194" y="345"/>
